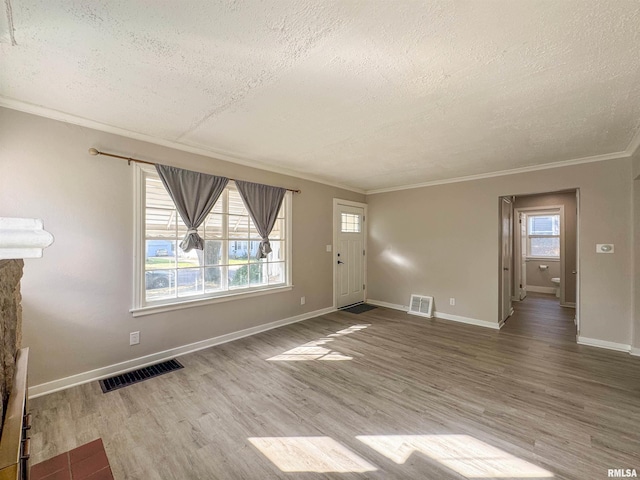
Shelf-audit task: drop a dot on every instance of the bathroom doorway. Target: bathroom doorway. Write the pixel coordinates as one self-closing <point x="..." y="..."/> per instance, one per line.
<point x="545" y="251"/>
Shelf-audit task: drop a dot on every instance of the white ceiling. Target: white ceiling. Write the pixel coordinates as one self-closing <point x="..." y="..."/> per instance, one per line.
<point x="370" y="94"/>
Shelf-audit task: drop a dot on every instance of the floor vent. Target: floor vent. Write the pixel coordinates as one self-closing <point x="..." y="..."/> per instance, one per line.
<point x="421" y="305"/>
<point x="136" y="376"/>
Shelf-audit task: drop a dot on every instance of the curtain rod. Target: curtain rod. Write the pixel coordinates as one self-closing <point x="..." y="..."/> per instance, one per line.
<point x="95" y="151"/>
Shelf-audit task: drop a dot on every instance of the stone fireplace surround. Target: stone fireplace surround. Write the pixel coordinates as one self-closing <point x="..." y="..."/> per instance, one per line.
<point x="19" y="238"/>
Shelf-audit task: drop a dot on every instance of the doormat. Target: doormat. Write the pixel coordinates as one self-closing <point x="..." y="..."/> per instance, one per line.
<point x="119" y="381"/>
<point x="361" y="308"/>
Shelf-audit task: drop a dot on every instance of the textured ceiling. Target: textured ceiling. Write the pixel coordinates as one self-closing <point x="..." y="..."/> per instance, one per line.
<point x="370" y="94"/>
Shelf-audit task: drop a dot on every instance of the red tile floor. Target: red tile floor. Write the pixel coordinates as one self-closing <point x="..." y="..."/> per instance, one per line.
<point x="87" y="462"/>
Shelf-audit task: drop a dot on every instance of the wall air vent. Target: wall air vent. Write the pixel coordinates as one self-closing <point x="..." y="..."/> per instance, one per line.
<point x="421" y="305"/>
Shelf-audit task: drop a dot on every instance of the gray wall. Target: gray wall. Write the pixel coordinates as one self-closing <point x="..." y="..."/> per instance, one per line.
<point x="542" y="278"/>
<point x="443" y="241"/>
<point x="568" y="199"/>
<point x="77" y="298"/>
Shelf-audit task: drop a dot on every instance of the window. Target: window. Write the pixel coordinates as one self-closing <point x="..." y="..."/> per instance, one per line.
<point x="350" y="223"/>
<point x="543" y="235"/>
<point x="227" y="265"/>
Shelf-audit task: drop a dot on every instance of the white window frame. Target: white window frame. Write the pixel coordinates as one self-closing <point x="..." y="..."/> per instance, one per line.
<point x="536" y="213"/>
<point x="141" y="307"/>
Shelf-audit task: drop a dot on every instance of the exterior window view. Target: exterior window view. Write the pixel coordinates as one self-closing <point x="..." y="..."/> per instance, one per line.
<point x="544" y="236"/>
<point x="228" y="262"/>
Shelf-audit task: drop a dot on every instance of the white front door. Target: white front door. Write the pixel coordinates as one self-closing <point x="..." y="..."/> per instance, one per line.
<point x="349" y="255"/>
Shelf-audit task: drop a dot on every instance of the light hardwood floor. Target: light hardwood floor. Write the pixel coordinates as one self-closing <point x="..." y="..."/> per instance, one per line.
<point x="380" y="395"/>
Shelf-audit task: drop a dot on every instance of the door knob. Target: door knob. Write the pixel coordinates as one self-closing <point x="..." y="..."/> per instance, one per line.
<point x="340" y="263"/>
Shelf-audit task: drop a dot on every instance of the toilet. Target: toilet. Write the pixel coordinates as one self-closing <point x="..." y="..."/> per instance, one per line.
<point x="556" y="283"/>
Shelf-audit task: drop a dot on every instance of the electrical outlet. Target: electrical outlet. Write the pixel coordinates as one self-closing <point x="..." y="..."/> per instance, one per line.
<point x="303" y="300"/>
<point x="452" y="301"/>
<point x="134" y="338"/>
<point x="328" y="248"/>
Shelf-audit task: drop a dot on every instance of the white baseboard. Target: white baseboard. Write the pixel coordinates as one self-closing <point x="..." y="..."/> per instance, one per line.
<point x="468" y="320"/>
<point x="394" y="306"/>
<point x="594" y="342"/>
<point x="440" y="315"/>
<point x="126" y="366"/>
<point x="635" y="351"/>
<point x="536" y="289"/>
<point x="568" y="304"/>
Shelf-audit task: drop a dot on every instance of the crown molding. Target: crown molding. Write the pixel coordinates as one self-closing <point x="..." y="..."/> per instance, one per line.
<point x="25" y="107"/>
<point x="211" y="153"/>
<point x="500" y="173"/>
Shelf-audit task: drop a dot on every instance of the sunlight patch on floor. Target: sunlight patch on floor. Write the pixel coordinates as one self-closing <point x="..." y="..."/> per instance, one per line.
<point x="316" y="351"/>
<point x="311" y="454"/>
<point x="463" y="454"/>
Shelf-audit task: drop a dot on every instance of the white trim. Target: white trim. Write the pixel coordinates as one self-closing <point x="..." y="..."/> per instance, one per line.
<point x="537" y="289"/>
<point x="139" y="196"/>
<point x="128" y="365"/>
<point x="578" y="268"/>
<point x="501" y="173"/>
<point x="365" y="231"/>
<point x="467" y="320"/>
<point x="594" y="342"/>
<point x="635" y="351"/>
<point x="544" y="259"/>
<point x="439" y="315"/>
<point x="169" y="307"/>
<point x="502" y="315"/>
<point x="568" y="305"/>
<point x="393" y="306"/>
<point x="207" y="152"/>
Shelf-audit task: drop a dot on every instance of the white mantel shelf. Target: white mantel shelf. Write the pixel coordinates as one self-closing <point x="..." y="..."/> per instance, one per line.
<point x="23" y="238"/>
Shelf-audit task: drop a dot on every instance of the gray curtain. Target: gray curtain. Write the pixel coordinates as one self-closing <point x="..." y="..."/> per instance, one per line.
<point x="194" y="195"/>
<point x="263" y="203"/>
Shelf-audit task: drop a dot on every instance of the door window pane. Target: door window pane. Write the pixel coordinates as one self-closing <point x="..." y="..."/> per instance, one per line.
<point x="350" y="223"/>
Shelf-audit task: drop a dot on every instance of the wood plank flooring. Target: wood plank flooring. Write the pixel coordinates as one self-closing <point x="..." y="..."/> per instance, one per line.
<point x="380" y="395"/>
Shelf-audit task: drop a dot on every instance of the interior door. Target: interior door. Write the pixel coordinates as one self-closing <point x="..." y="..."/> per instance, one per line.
<point x="506" y="240"/>
<point x="523" y="256"/>
<point x="349" y="255"/>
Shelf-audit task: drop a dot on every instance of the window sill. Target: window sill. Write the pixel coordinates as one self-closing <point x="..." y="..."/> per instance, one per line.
<point x="545" y="259"/>
<point x="168" y="307"/>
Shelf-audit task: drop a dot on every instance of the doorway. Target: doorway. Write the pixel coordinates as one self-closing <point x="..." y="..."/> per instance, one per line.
<point x="506" y="257"/>
<point x="545" y="253"/>
<point x="349" y="259"/>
